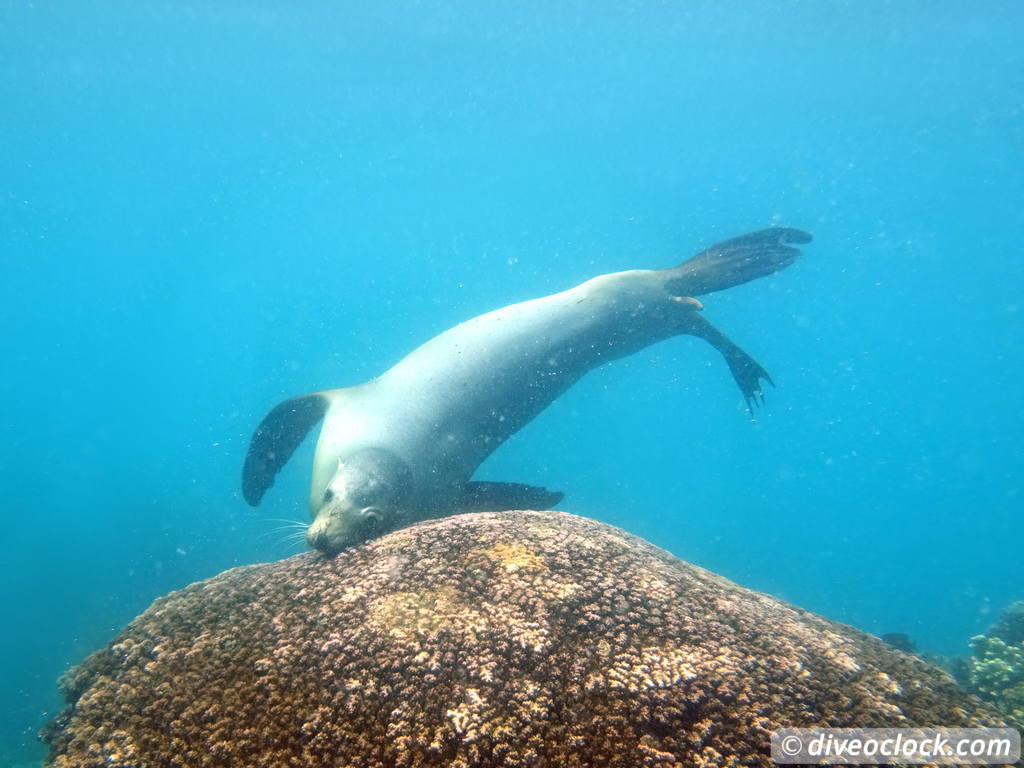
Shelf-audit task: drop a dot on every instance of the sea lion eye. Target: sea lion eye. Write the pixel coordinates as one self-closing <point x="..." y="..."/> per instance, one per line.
<point x="372" y="516"/>
<point x="328" y="496"/>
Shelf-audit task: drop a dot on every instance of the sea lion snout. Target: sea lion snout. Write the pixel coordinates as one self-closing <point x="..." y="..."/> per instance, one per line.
<point x="318" y="538"/>
<point x="338" y="526"/>
<point x="363" y="499"/>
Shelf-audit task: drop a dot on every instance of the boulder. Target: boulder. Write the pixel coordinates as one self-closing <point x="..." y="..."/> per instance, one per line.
<point x="491" y="639"/>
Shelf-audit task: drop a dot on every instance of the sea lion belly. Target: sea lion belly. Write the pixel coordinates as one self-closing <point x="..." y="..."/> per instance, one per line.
<point x="467" y="390"/>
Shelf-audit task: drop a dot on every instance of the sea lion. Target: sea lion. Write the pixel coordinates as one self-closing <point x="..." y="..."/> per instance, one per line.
<point x="403" y="447"/>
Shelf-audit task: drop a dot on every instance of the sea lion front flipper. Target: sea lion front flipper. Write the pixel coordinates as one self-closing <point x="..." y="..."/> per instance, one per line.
<point x="483" y="496"/>
<point x="747" y="372"/>
<point x="275" y="440"/>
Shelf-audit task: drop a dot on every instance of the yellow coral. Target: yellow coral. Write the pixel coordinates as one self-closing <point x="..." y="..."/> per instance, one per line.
<point x="515" y="557"/>
<point x="406" y="614"/>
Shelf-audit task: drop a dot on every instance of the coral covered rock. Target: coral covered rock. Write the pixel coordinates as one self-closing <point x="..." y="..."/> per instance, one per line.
<point x="996" y="667"/>
<point x="1010" y="627"/>
<point x="997" y="674"/>
<point x="492" y="639"/>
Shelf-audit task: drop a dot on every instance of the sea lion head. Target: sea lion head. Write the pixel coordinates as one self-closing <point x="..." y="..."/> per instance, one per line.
<point x="365" y="498"/>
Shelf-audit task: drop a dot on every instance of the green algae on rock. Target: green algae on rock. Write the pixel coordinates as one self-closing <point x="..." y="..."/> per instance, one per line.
<point x="491" y="639"/>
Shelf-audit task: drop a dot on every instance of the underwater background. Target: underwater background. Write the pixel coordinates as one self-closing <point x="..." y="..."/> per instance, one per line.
<point x="206" y="208"/>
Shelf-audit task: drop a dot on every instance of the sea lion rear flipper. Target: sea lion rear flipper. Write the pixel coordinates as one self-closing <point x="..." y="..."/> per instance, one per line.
<point x="736" y="261"/>
<point x="275" y="440"/>
<point x="486" y="496"/>
<point x="745" y="370"/>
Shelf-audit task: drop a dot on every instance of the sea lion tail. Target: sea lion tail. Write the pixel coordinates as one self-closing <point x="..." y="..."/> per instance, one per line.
<point x="736" y="261"/>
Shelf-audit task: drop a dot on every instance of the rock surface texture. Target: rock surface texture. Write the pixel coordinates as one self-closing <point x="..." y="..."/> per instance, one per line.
<point x="492" y="639"/>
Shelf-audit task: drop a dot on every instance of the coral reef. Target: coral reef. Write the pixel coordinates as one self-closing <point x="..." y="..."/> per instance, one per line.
<point x="490" y="639"/>
<point x="1010" y="627"/>
<point x="996" y="667"/>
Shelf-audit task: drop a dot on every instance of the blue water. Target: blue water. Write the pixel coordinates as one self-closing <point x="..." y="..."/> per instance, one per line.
<point x="205" y="208"/>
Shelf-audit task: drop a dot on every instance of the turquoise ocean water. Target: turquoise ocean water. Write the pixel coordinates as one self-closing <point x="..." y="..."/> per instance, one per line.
<point x="207" y="207"/>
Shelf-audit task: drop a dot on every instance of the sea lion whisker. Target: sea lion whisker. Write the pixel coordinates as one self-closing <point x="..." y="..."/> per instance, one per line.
<point x="297" y="531"/>
<point x="292" y="539"/>
<point x="291" y="527"/>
